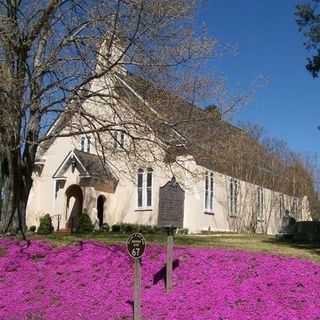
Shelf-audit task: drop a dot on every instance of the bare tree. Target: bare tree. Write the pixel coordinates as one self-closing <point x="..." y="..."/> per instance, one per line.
<point x="56" y="56"/>
<point x="268" y="162"/>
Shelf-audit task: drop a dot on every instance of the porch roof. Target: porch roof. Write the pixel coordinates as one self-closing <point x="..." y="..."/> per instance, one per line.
<point x="88" y="165"/>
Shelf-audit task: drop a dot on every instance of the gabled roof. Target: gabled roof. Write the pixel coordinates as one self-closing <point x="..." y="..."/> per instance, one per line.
<point x="214" y="143"/>
<point x="93" y="164"/>
<point x="204" y="137"/>
<point x="176" y="123"/>
<point x="88" y="165"/>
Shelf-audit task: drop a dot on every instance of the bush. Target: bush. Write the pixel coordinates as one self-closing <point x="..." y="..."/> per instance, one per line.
<point x="45" y="226"/>
<point x="127" y="228"/>
<point x="105" y="227"/>
<point x="85" y="223"/>
<point x="146" y="229"/>
<point x="130" y="228"/>
<point x="157" y="229"/>
<point x="115" y="228"/>
<point x="32" y="228"/>
<point x="183" y="231"/>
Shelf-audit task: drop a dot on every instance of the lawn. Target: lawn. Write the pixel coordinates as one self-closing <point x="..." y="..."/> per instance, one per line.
<point x="93" y="280"/>
<point x="251" y="242"/>
<point x="218" y="276"/>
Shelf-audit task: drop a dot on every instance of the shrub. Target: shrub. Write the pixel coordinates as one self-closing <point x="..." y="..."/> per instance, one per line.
<point x="85" y="223"/>
<point x="105" y="227"/>
<point x="45" y="226"/>
<point x="115" y="228"/>
<point x="183" y="231"/>
<point x="127" y="227"/>
<point x="158" y="229"/>
<point x="32" y="228"/>
<point x="146" y="229"/>
<point x="130" y="228"/>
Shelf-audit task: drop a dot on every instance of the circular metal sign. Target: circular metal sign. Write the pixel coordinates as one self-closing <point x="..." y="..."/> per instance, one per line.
<point x="136" y="244"/>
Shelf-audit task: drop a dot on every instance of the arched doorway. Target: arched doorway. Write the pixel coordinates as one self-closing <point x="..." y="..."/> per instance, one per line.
<point x="74" y="206"/>
<point x="100" y="208"/>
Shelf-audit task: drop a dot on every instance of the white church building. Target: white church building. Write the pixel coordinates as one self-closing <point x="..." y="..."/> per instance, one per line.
<point x="72" y="175"/>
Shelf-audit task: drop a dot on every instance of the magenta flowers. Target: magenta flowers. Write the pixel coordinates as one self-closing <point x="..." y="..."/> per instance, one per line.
<point x="91" y="280"/>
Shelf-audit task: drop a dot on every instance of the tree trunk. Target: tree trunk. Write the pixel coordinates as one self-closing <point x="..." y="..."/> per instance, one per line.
<point x="5" y="203"/>
<point x="20" y="182"/>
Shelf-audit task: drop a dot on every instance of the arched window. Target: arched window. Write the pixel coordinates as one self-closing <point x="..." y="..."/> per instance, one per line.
<point x="144" y="183"/>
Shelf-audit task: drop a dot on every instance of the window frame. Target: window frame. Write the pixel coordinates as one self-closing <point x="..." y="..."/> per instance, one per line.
<point x="233" y="197"/>
<point x="118" y="137"/>
<point x="282" y="207"/>
<point x="209" y="187"/>
<point x="56" y="188"/>
<point x="145" y="189"/>
<point x="82" y="143"/>
<point x="140" y="178"/>
<point x="88" y="144"/>
<point x="260" y="204"/>
<point x="85" y="143"/>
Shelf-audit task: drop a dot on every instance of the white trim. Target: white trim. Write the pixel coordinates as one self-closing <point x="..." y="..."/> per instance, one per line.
<point x="69" y="155"/>
<point x="62" y="163"/>
<point x="80" y="163"/>
<point x="143" y="209"/>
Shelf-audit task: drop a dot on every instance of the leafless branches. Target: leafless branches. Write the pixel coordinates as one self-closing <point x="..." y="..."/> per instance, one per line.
<point x="66" y="58"/>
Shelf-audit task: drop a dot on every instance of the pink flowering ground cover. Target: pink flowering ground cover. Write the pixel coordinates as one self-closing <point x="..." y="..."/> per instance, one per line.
<point x="91" y="280"/>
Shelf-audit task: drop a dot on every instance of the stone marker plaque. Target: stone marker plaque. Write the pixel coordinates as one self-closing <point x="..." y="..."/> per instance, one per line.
<point x="136" y="245"/>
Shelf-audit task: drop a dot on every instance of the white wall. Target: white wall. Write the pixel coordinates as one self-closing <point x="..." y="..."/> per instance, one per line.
<point x="121" y="206"/>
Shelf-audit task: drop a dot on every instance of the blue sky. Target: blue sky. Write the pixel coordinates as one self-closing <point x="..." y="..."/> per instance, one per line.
<point x="269" y="44"/>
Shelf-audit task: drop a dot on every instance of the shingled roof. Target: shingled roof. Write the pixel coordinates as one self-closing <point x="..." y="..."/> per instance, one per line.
<point x="203" y="136"/>
<point x="177" y="123"/>
<point x="89" y="165"/>
<point x="93" y="164"/>
<point x="214" y="143"/>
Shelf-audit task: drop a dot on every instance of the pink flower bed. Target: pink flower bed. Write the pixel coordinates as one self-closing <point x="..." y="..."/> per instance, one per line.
<point x="95" y="281"/>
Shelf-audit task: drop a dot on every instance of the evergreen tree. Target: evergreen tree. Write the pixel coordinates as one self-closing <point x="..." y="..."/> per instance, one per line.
<point x="308" y="20"/>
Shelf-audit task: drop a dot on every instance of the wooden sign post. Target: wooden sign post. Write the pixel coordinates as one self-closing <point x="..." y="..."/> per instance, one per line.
<point x="137" y="290"/>
<point x="169" y="262"/>
<point x="136" y="244"/>
<point x="170" y="230"/>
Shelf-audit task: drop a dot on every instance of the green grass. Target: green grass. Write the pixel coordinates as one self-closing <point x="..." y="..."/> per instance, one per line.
<point x="249" y="242"/>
